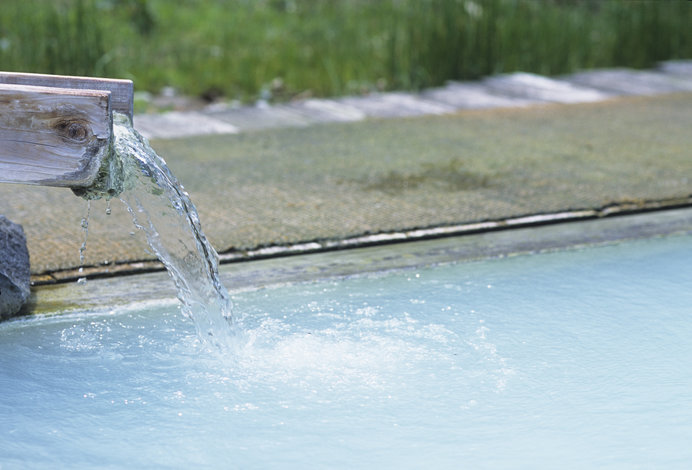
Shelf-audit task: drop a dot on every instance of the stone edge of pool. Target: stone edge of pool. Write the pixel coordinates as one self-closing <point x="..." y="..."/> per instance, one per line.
<point x="366" y="240"/>
<point x="383" y="252"/>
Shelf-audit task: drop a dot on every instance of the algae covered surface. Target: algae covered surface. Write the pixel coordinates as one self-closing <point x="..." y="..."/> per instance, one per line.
<point x="339" y="180"/>
<point x="334" y="181"/>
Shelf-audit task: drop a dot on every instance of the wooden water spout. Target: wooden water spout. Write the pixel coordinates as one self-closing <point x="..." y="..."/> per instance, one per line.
<point x="57" y="130"/>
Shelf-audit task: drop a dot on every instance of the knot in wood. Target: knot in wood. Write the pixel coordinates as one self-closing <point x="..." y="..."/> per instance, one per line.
<point x="75" y="130"/>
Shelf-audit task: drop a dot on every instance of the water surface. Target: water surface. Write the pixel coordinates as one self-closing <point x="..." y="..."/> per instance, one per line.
<point x="577" y="359"/>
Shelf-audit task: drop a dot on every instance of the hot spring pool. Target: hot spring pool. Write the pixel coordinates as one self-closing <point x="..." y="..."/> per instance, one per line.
<point x="575" y="359"/>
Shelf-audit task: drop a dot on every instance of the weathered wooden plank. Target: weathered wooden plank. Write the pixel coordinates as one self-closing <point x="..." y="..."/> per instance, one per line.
<point x="121" y="90"/>
<point x="53" y="136"/>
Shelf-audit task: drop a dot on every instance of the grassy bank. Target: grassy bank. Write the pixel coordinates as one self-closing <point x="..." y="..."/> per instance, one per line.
<point x="243" y="48"/>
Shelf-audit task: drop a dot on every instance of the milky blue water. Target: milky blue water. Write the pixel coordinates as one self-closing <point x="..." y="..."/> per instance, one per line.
<point x="578" y="359"/>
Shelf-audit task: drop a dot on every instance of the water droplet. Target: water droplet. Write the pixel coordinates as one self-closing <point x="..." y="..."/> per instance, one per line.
<point x="85" y="228"/>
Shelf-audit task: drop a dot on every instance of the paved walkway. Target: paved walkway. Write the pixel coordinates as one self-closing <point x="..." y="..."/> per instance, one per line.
<point x="513" y="90"/>
<point x="509" y="151"/>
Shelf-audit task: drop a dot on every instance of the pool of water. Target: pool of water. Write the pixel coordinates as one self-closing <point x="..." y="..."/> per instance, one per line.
<point x="574" y="359"/>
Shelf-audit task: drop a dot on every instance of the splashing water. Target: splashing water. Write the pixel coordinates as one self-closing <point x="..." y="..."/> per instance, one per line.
<point x="163" y="210"/>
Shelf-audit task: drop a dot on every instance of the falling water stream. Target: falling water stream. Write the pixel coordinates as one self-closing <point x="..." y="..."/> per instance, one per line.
<point x="163" y="210"/>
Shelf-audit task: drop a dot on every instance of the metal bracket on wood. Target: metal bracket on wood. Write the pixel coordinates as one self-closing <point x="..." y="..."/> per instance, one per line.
<point x="57" y="130"/>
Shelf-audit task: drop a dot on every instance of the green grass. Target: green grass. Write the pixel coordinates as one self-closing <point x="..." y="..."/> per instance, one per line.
<point x="241" y="49"/>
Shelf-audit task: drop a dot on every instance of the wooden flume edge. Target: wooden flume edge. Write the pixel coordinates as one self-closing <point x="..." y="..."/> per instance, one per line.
<point x="122" y="91"/>
<point x="56" y="130"/>
<point x="53" y="136"/>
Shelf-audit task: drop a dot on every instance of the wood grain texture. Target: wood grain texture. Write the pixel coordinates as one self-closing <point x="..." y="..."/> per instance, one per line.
<point x="121" y="90"/>
<point x="53" y="136"/>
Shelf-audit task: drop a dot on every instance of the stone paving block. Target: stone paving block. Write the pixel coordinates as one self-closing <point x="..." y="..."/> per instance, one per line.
<point x="319" y="111"/>
<point x="537" y="87"/>
<point x="631" y="82"/>
<point x="264" y="116"/>
<point x="389" y="105"/>
<point x="176" y="124"/>
<point x="513" y="90"/>
<point x="472" y="96"/>
<point x="681" y="68"/>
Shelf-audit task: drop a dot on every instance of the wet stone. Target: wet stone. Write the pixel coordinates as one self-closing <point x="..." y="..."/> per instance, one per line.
<point x="14" y="268"/>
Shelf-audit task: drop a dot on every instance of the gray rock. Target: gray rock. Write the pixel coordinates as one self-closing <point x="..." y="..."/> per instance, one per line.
<point x="175" y="124"/>
<point x="396" y="104"/>
<point x="319" y="111"/>
<point x="633" y="82"/>
<point x="14" y="268"/>
<point x="537" y="87"/>
<point x="682" y="68"/>
<point x="472" y="95"/>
